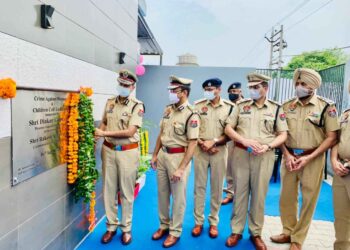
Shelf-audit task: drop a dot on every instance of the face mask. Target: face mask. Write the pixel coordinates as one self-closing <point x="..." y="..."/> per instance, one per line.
<point x="122" y="91"/>
<point x="254" y="94"/>
<point x="301" y="92"/>
<point x="209" y="95"/>
<point x="173" y="98"/>
<point x="233" y="97"/>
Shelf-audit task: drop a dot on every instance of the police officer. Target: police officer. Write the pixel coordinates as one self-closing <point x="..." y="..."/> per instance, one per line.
<point x="235" y="95"/>
<point x="120" y="155"/>
<point x="312" y="122"/>
<point x="177" y="140"/>
<point x="258" y="126"/>
<point x="210" y="154"/>
<point x="340" y="159"/>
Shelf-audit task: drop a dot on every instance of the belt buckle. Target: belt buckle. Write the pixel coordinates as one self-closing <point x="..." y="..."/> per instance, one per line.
<point x="118" y="148"/>
<point x="298" y="151"/>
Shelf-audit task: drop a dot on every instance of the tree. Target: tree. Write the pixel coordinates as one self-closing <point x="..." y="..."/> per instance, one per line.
<point x="318" y="60"/>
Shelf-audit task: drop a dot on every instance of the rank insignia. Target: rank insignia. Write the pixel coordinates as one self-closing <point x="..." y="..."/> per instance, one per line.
<point x="292" y="107"/>
<point x="110" y="108"/>
<point x="204" y="110"/>
<point x="246" y="110"/>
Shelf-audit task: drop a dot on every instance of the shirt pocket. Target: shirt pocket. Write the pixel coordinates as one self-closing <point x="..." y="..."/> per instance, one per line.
<point x="292" y="122"/>
<point x="124" y="121"/>
<point x="179" y="128"/>
<point x="267" y="125"/>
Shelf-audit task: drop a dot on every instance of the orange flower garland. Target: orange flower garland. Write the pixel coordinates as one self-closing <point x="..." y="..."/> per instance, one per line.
<point x="86" y="90"/>
<point x="73" y="138"/>
<point x="92" y="213"/>
<point x="7" y="88"/>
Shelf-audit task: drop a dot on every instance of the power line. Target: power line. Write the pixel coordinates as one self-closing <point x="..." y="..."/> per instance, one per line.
<point x="309" y="15"/>
<point x="293" y="11"/>
<point x="281" y="20"/>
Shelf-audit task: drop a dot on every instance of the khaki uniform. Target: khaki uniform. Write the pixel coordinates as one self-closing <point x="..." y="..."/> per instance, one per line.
<point x="341" y="189"/>
<point x="213" y="122"/>
<point x="120" y="167"/>
<point x="308" y="125"/>
<point x="229" y="170"/>
<point x="178" y="126"/>
<point x="252" y="173"/>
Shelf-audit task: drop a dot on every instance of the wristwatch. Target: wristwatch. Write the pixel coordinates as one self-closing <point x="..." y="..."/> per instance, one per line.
<point x="216" y="140"/>
<point x="269" y="147"/>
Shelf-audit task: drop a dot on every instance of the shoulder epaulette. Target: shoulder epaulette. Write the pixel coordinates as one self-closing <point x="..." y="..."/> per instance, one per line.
<point x="289" y="100"/>
<point x="228" y="102"/>
<point x="200" y="100"/>
<point x="330" y="102"/>
<point x="244" y="100"/>
<point x="274" y="102"/>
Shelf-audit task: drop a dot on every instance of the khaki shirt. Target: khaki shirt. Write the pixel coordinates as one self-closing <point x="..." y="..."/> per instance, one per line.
<point x="307" y="125"/>
<point x="256" y="123"/>
<point x="213" y="118"/>
<point x="179" y="125"/>
<point x="344" y="147"/>
<point x="120" y="116"/>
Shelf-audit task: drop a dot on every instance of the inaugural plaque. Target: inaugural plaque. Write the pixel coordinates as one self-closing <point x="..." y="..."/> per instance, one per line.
<point x="35" y="132"/>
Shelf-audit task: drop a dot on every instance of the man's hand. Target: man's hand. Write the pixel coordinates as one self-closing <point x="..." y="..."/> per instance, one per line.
<point x="290" y="161"/>
<point x="301" y="162"/>
<point x="208" y="145"/>
<point x="99" y="133"/>
<point x="264" y="149"/>
<point x="177" y="175"/>
<point x="339" y="168"/>
<point x="154" y="162"/>
<point x="213" y="151"/>
<point x="253" y="144"/>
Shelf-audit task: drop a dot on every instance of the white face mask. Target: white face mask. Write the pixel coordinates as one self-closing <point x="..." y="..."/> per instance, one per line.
<point x="254" y="94"/>
<point x="301" y="92"/>
<point x="173" y="98"/>
<point x="209" y="95"/>
<point x="122" y="91"/>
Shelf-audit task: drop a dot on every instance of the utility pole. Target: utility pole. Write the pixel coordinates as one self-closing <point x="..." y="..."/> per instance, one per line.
<point x="277" y="44"/>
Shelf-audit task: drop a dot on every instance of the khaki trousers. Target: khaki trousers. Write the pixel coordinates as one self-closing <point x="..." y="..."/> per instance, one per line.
<point x="310" y="180"/>
<point x="341" y="203"/>
<point x="252" y="175"/>
<point x="119" y="169"/>
<point x="216" y="165"/>
<point x="229" y="171"/>
<point x="166" y="166"/>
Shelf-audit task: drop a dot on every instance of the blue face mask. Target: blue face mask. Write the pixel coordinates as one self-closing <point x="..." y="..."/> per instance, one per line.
<point x="122" y="91"/>
<point x="209" y="95"/>
<point x="233" y="97"/>
<point x="254" y="94"/>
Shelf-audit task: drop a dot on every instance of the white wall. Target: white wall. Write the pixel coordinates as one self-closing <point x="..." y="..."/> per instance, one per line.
<point x="31" y="65"/>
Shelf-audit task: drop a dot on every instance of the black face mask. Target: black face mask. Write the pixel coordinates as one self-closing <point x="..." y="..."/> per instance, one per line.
<point x="233" y="97"/>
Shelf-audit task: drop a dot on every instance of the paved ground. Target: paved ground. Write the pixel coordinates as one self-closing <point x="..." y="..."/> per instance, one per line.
<point x="321" y="234"/>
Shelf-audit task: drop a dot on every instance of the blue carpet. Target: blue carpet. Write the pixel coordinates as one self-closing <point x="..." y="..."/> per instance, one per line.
<point x="145" y="221"/>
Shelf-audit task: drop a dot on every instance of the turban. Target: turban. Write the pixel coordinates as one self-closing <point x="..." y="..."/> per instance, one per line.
<point x="308" y="76"/>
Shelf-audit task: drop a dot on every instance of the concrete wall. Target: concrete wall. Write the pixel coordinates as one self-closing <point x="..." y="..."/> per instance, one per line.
<point x="82" y="50"/>
<point x="152" y="88"/>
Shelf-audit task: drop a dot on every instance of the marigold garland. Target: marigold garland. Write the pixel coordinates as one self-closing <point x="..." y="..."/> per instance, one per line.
<point x="7" y="88"/>
<point x="77" y="148"/>
<point x="86" y="90"/>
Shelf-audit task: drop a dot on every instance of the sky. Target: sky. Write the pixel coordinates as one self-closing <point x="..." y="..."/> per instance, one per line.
<point x="230" y="33"/>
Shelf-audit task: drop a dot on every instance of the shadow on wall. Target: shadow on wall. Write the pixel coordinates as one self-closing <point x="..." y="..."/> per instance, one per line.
<point x="152" y="87"/>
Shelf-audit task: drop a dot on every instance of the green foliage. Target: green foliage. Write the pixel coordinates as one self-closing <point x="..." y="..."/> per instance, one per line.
<point x="145" y="164"/>
<point x="318" y="60"/>
<point x="87" y="172"/>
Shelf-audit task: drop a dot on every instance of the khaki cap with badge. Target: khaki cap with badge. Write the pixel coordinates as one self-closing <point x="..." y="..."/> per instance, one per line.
<point x="256" y="78"/>
<point x="176" y="82"/>
<point x="127" y="77"/>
